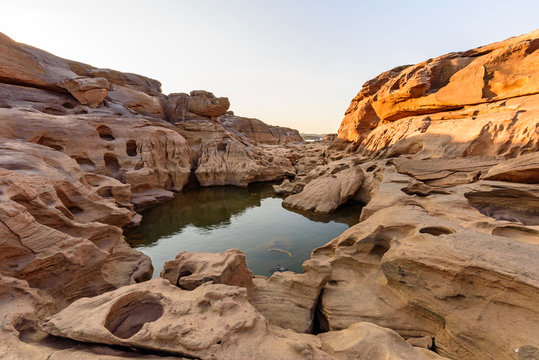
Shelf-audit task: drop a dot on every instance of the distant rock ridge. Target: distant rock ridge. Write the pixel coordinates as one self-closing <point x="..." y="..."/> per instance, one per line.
<point x="484" y="99"/>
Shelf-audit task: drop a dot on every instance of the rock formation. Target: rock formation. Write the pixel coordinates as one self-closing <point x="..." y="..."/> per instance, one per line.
<point x="258" y="131"/>
<point x="479" y="102"/>
<point x="190" y="270"/>
<point x="443" y="155"/>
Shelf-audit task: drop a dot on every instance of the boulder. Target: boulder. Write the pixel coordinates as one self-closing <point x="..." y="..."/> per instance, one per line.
<point x="87" y="91"/>
<point x="204" y="103"/>
<point x="327" y="192"/>
<point x="189" y="270"/>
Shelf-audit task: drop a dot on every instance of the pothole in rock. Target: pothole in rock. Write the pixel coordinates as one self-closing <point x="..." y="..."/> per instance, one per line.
<point x="507" y="204"/>
<point x="105" y="133"/>
<point x="436" y="230"/>
<point x="127" y="316"/>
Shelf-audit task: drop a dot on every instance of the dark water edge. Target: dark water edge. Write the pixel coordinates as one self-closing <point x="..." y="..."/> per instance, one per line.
<point x="251" y="219"/>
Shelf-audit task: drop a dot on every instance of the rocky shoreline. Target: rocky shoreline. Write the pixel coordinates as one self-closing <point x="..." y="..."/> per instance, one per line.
<point x="443" y="263"/>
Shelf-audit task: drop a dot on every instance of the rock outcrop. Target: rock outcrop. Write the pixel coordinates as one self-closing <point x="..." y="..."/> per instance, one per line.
<point x="259" y="132"/>
<point x="479" y="102"/>
<point x="212" y="321"/>
<point x="199" y="104"/>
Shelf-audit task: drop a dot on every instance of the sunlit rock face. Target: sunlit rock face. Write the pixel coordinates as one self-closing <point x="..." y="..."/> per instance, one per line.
<point x="479" y="102"/>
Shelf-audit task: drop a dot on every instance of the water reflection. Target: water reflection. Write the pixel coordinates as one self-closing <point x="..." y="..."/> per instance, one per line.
<point x="252" y="220"/>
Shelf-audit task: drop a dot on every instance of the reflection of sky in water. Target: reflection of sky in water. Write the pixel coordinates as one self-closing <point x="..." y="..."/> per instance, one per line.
<point x="252" y="222"/>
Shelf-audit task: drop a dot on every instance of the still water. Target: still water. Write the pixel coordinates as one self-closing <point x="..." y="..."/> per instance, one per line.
<point x="253" y="220"/>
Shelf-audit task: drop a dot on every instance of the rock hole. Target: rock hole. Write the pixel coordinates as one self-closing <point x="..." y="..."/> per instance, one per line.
<point x="320" y="322"/>
<point x="68" y="204"/>
<point x="371" y="168"/>
<point x="507" y="204"/>
<point x="105" y="132"/>
<point x="131" y="148"/>
<point x="112" y="165"/>
<point x="347" y="242"/>
<point x="183" y="274"/>
<point x="221" y="147"/>
<point x="85" y="163"/>
<point x="68" y="105"/>
<point x="51" y="143"/>
<point x="127" y="316"/>
<point x="379" y="250"/>
<point x="53" y="111"/>
<point x="105" y="192"/>
<point x="436" y="230"/>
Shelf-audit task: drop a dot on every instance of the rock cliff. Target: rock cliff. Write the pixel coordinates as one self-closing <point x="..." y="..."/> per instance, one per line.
<point x="478" y="102"/>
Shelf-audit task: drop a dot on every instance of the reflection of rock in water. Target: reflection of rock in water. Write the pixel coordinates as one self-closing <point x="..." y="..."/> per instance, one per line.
<point x="202" y="207"/>
<point x="347" y="213"/>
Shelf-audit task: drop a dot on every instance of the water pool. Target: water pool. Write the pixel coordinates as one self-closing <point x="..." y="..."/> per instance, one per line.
<point x="250" y="219"/>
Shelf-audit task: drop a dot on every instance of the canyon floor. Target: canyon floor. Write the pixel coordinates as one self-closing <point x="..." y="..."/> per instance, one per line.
<point x="443" y="263"/>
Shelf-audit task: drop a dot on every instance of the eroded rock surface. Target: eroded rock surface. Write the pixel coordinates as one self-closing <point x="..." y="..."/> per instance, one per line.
<point x="331" y="185"/>
<point x="258" y="131"/>
<point x="212" y="321"/>
<point x="189" y="270"/>
<point x="479" y="102"/>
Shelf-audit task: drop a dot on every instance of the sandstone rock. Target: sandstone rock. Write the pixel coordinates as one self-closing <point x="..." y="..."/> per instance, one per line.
<point x="367" y="341"/>
<point x="330" y="137"/>
<point x="423" y="342"/>
<point x="189" y="270"/>
<point x="229" y="162"/>
<point x="289" y="300"/>
<point x="327" y="192"/>
<point x="430" y="266"/>
<point x="524" y="169"/>
<point x="212" y="321"/>
<point x="57" y="233"/>
<point x="137" y="101"/>
<point x="471" y="98"/>
<point x="204" y="103"/>
<point x="139" y="152"/>
<point x="88" y="91"/>
<point x="286" y="187"/>
<point x="259" y="132"/>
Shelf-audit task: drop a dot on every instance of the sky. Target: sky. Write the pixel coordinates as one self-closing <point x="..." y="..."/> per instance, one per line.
<point x="291" y="63"/>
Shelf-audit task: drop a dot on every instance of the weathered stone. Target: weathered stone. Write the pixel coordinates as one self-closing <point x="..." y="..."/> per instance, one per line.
<point x="366" y="341"/>
<point x="87" y="91"/>
<point x="289" y="300"/>
<point x="524" y="169"/>
<point x="212" y="321"/>
<point x="335" y="185"/>
<point x="204" y="103"/>
<point x="189" y="270"/>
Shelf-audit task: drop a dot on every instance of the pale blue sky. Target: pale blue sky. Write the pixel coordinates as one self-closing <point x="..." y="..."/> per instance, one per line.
<point x="292" y="63"/>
